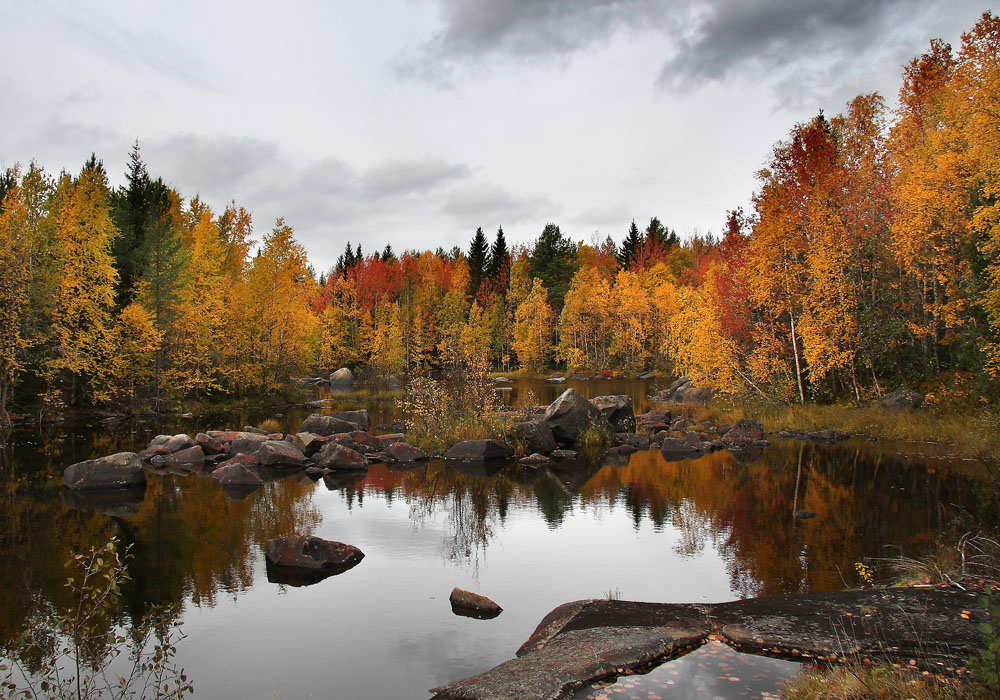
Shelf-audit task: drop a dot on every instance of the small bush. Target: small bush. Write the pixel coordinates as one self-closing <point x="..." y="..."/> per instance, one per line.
<point x="271" y="425"/>
<point x="593" y="441"/>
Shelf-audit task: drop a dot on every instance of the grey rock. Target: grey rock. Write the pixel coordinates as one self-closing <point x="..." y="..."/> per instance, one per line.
<point x="617" y="411"/>
<point x="536" y="435"/>
<point x="403" y="452"/>
<point x="570" y="414"/>
<point x="535" y="460"/>
<point x="246" y="443"/>
<point x="900" y="399"/>
<point x="335" y="456"/>
<point x="478" y="451"/>
<point x="278" y="453"/>
<point x="744" y="431"/>
<point x="308" y="443"/>
<point x="117" y="471"/>
<point x="342" y="379"/>
<point x="326" y="425"/>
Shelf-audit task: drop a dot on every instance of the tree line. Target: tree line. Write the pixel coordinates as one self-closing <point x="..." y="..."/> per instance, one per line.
<point x="869" y="258"/>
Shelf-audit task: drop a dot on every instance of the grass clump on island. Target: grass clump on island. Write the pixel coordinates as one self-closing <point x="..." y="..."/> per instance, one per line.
<point x="439" y="414"/>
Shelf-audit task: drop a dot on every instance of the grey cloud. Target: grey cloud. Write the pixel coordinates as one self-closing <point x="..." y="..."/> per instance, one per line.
<point x="816" y="41"/>
<point x="475" y="30"/>
<point x="211" y="165"/>
<point x="777" y="35"/>
<point x="484" y="201"/>
<point x="402" y="178"/>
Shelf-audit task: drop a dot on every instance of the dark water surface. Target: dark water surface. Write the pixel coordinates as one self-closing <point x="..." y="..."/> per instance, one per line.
<point x="709" y="530"/>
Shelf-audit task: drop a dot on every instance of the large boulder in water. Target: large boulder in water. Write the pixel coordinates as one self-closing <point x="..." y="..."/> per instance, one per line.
<point x="744" y="431"/>
<point x="342" y="379"/>
<point x="245" y="443"/>
<point x="469" y="604"/>
<point x="404" y="452"/>
<point x="570" y="414"/>
<point x="301" y="560"/>
<point x="536" y="435"/>
<point x="279" y="453"/>
<point x="118" y="471"/>
<point x="336" y="456"/>
<point x="900" y="399"/>
<point x="326" y="425"/>
<point x="616" y="410"/>
<point x="478" y="451"/>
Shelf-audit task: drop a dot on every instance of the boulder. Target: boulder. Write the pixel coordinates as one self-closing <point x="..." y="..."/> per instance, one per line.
<point x="209" y="445"/>
<point x="342" y="379"/>
<point x="535" y="460"/>
<point x="675" y="449"/>
<point x="616" y="410"/>
<point x="564" y="455"/>
<point x="478" y="451"/>
<point x="192" y="456"/>
<point x="308" y="443"/>
<point x="744" y="431"/>
<point x="360" y="417"/>
<point x="117" y="471"/>
<point x="301" y="560"/>
<point x="536" y="435"/>
<point x="246" y="443"/>
<point x="901" y="398"/>
<point x="683" y="390"/>
<point x="403" y="452"/>
<point x="236" y="473"/>
<point x="325" y="425"/>
<point x="254" y="429"/>
<point x="363" y="442"/>
<point x="638" y="441"/>
<point x="620" y="450"/>
<point x="466" y="602"/>
<point x="827" y="435"/>
<point x="556" y="380"/>
<point x="278" y="453"/>
<point x="335" y="456"/>
<point x="391" y="438"/>
<point x="502" y="380"/>
<point x="569" y="414"/>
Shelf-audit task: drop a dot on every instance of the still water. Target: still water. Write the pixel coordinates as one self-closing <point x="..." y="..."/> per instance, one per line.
<point x="707" y="530"/>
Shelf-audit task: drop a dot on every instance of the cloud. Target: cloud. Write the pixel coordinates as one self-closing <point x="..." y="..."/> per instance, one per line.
<point x="792" y="46"/>
<point x="404" y="178"/>
<point x="485" y="201"/>
<point x="210" y="165"/>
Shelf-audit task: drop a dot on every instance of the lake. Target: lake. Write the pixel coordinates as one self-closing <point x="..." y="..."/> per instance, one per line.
<point x="705" y="530"/>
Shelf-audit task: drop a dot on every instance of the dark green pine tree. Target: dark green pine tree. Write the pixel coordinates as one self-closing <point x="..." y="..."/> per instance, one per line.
<point x="133" y="209"/>
<point x="631" y="247"/>
<point x="657" y="233"/>
<point x="553" y="261"/>
<point x="498" y="264"/>
<point x="346" y="260"/>
<point x="479" y="250"/>
<point x="388" y="256"/>
<point x="160" y="264"/>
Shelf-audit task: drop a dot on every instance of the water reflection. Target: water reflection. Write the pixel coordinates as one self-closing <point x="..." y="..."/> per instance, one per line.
<point x="709" y="529"/>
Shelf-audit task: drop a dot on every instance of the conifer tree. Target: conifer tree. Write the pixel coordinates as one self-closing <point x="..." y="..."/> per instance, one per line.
<point x="553" y="261"/>
<point x="477" y="261"/>
<point x="631" y="247"/>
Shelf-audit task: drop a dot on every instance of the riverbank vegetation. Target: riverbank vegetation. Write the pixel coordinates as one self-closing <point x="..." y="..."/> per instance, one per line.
<point x="870" y="259"/>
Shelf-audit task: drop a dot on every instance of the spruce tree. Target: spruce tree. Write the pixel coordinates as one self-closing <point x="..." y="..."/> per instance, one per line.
<point x="131" y="210"/>
<point x="388" y="255"/>
<point x="631" y="247"/>
<point x="478" y="253"/>
<point x="553" y="261"/>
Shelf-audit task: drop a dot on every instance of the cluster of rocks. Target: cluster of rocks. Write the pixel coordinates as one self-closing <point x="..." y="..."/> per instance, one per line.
<point x="557" y="431"/>
<point x="678" y="439"/>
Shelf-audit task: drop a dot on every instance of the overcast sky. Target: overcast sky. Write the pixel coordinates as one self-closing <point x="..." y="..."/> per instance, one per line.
<point x="415" y="121"/>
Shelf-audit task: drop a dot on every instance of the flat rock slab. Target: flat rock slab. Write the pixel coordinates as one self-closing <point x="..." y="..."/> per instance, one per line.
<point x="590" y="640"/>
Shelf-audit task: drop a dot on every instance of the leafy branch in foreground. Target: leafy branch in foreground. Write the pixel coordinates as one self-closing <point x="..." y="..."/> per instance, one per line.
<point x="79" y="653"/>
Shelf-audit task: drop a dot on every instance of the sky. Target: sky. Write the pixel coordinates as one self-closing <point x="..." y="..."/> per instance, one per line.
<point x="413" y="122"/>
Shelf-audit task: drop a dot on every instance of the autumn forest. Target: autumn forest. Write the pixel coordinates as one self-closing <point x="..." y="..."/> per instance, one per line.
<point x="869" y="258"/>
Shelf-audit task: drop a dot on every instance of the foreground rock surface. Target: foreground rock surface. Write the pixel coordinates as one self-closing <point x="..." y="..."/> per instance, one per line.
<point x="118" y="471"/>
<point x="589" y="640"/>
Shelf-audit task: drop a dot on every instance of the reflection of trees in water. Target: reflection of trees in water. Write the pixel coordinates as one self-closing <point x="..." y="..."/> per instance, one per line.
<point x="188" y="540"/>
<point x="864" y="501"/>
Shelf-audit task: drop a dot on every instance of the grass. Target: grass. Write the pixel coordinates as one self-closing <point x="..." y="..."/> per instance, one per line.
<point x="963" y="431"/>
<point x="593" y="441"/>
<point x="858" y="681"/>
